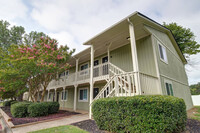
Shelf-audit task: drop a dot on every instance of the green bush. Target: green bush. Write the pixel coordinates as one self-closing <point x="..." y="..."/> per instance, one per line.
<point x="7" y="103"/>
<point x="53" y="107"/>
<point x="19" y="109"/>
<point x="38" y="109"/>
<point x="13" y="102"/>
<point x="140" y="114"/>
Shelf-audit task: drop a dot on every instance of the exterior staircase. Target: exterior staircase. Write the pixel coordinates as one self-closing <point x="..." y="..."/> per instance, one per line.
<point x="120" y="83"/>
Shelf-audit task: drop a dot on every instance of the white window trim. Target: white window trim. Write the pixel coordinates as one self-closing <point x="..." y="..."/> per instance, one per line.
<point x="169" y="82"/>
<point x="79" y="94"/>
<point x="63" y="96"/>
<point x="159" y="43"/>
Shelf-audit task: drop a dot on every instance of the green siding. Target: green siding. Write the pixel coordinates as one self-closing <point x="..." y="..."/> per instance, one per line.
<point x="69" y="103"/>
<point x="174" y="70"/>
<point x="146" y="60"/>
<point x="122" y="58"/>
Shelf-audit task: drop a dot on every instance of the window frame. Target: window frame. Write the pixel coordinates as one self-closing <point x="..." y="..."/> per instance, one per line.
<point x="171" y="90"/>
<point x="102" y="59"/>
<point x="85" y="73"/>
<point x="62" y="95"/>
<point x="85" y="88"/>
<point x="49" y="97"/>
<point x="164" y="53"/>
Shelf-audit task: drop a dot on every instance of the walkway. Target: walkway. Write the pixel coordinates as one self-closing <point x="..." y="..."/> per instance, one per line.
<point x="55" y="123"/>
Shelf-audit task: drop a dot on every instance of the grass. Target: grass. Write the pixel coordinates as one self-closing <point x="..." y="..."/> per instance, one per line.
<point x="61" y="129"/>
<point x="197" y="114"/>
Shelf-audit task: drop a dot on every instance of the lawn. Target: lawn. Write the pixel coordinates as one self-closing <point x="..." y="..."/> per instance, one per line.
<point x="196" y="116"/>
<point x="61" y="129"/>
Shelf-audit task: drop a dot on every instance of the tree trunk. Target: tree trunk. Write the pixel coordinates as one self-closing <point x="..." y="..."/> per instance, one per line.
<point x="43" y="94"/>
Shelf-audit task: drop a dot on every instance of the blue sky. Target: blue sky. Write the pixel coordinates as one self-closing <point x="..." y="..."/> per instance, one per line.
<point x="73" y="22"/>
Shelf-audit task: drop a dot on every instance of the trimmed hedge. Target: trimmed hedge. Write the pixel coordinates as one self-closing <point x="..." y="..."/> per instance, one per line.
<point x="8" y="103"/>
<point x="53" y="107"/>
<point x="38" y="109"/>
<point x="19" y="109"/>
<point x="140" y="114"/>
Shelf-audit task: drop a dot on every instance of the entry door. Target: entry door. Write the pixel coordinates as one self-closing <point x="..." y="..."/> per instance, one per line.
<point x="105" y="66"/>
<point x="57" y="99"/>
<point x="95" y="92"/>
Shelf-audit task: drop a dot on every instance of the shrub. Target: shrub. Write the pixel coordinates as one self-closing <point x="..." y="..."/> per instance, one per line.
<point x="7" y="103"/>
<point x="53" y="107"/>
<point x="13" y="102"/>
<point x="140" y="114"/>
<point x="38" y="109"/>
<point x="19" y="109"/>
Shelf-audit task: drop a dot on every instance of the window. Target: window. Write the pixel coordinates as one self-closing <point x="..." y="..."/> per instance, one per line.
<point x="84" y="69"/>
<point x="163" y="54"/>
<point x="95" y="92"/>
<point x="96" y="62"/>
<point x="83" y="95"/>
<point x="64" y="73"/>
<point x="64" y="95"/>
<point x="105" y="59"/>
<point x="169" y="89"/>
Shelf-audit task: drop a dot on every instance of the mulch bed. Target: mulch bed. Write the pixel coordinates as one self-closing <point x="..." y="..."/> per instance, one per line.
<point x="193" y="126"/>
<point x="88" y="125"/>
<point x="18" y="121"/>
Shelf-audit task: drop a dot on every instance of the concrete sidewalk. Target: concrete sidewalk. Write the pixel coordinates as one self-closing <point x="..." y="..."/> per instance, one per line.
<point x="55" y="123"/>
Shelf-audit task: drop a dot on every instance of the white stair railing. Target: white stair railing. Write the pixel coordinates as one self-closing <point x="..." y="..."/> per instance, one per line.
<point x="120" y="83"/>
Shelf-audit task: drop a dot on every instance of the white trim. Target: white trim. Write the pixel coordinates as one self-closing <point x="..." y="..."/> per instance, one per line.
<point x="79" y="94"/>
<point x="156" y="64"/>
<point x="63" y="95"/>
<point x="158" y="39"/>
<point x="165" y="61"/>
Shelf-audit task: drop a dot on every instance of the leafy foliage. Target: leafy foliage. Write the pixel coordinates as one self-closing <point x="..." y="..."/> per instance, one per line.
<point x="185" y="38"/>
<point x="20" y="109"/>
<point x="195" y="89"/>
<point x="140" y="114"/>
<point x="9" y="36"/>
<point x="38" y="109"/>
<point x="8" y="103"/>
<point x="53" y="107"/>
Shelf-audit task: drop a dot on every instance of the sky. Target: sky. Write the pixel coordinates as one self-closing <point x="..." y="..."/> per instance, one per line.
<point x="72" y="22"/>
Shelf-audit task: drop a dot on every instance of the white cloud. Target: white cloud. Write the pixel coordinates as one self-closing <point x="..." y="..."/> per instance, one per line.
<point x="12" y="9"/>
<point x="65" y="38"/>
<point x="73" y="22"/>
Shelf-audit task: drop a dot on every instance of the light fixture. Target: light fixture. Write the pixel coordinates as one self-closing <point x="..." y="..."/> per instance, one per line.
<point x="128" y="38"/>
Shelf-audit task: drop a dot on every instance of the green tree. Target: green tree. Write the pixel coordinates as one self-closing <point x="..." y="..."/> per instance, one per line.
<point x="195" y="89"/>
<point x="185" y="38"/>
<point x="10" y="35"/>
<point x="35" y="65"/>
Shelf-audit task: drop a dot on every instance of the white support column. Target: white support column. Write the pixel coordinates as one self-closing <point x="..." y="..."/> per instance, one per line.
<point x="55" y="96"/>
<point x="48" y="95"/>
<point x="134" y="58"/>
<point x="75" y="96"/>
<point x="76" y="75"/>
<point x="91" y="80"/>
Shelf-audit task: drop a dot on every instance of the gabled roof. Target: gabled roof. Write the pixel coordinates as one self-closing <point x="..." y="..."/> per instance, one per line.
<point x="137" y="18"/>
